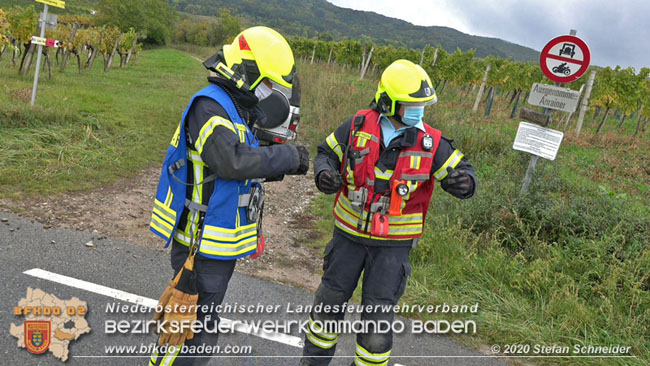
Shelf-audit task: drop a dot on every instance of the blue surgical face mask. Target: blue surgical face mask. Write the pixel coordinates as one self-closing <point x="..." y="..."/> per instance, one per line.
<point x="413" y="115"/>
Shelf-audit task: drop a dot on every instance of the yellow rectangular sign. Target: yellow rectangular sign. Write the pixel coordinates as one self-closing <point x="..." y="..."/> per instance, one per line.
<point x="39" y="40"/>
<point x="57" y="3"/>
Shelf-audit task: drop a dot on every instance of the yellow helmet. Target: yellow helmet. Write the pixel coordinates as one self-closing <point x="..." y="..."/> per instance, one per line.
<point x="258" y="53"/>
<point x="406" y="83"/>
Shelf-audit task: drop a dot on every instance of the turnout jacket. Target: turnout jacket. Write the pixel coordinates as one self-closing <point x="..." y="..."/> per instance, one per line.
<point x="372" y="170"/>
<point x="214" y="139"/>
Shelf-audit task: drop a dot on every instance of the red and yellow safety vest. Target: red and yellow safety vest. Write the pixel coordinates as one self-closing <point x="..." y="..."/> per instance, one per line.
<point x="356" y="204"/>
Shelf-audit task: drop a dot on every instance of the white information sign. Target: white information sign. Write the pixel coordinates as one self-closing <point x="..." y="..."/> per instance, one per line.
<point x="39" y="41"/>
<point x="554" y="97"/>
<point x="541" y="141"/>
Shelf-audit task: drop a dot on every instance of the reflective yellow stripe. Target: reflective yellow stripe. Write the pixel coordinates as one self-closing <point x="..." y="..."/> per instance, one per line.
<point x="165" y="211"/>
<point x="224" y="251"/>
<point x="320" y="343"/>
<point x="167" y="219"/>
<point x="413" y="186"/>
<point x="182" y="237"/>
<point x="319" y="331"/>
<point x="161" y="222"/>
<point x="170" y="356"/>
<point x="383" y="175"/>
<point x="359" y="362"/>
<point x="361" y="142"/>
<point x="366" y="136"/>
<point x="242" y="132"/>
<point x="334" y="145"/>
<point x="398" y="225"/>
<point x="208" y="129"/>
<point x="350" y="178"/>
<point x="156" y="225"/>
<point x="319" y="337"/>
<point x="170" y="196"/>
<point x="365" y="358"/>
<point x="195" y="158"/>
<point x="154" y="356"/>
<point x="415" y="218"/>
<point x="415" y="162"/>
<point x="452" y="161"/>
<point x="376" y="357"/>
<point x="229" y="235"/>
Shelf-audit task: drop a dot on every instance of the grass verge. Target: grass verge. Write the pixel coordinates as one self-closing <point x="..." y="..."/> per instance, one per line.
<point x="92" y="128"/>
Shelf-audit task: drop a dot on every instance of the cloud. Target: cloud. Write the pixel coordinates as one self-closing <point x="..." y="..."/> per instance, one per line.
<point x="617" y="32"/>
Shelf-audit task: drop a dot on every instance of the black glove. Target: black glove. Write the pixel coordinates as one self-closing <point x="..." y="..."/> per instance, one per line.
<point x="329" y="181"/>
<point x="459" y="183"/>
<point x="303" y="166"/>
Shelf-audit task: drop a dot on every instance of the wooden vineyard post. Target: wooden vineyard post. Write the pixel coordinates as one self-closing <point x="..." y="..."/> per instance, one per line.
<point x="64" y="61"/>
<point x="481" y="89"/>
<point x="364" y="66"/>
<point x="585" y="102"/>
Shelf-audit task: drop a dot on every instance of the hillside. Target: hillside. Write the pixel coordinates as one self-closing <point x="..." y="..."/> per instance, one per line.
<point x="313" y="18"/>
<point x="318" y="18"/>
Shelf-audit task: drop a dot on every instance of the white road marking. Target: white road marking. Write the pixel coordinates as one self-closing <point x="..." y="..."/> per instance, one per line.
<point x="152" y="303"/>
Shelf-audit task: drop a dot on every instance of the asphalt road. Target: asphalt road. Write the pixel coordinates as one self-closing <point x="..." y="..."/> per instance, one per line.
<point x="58" y="262"/>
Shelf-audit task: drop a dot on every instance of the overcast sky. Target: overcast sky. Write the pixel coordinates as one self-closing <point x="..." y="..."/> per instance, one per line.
<point x="617" y="32"/>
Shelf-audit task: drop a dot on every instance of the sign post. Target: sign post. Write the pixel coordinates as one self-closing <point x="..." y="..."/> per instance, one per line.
<point x="563" y="60"/>
<point x="43" y="23"/>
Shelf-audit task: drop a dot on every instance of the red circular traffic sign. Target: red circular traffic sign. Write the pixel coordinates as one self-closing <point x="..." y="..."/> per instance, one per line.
<point x="565" y="59"/>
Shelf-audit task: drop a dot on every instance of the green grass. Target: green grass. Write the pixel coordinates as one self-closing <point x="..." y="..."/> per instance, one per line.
<point x="93" y="128"/>
<point x="568" y="264"/>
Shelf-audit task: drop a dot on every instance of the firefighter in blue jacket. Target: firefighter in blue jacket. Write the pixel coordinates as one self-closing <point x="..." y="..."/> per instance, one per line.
<point x="210" y="194"/>
<point x="382" y="164"/>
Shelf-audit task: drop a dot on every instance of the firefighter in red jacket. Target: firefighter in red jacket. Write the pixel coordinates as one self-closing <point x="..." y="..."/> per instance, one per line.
<point x="382" y="164"/>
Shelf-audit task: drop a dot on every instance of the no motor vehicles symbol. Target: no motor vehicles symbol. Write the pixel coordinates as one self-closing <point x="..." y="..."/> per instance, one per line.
<point x="565" y="59"/>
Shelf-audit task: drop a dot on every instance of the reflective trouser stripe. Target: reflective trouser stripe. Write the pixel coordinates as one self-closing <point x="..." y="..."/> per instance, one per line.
<point x="170" y="356"/>
<point x="154" y="357"/>
<point x="361" y="362"/>
<point x="452" y="161"/>
<point x="365" y="358"/>
<point x="319" y="337"/>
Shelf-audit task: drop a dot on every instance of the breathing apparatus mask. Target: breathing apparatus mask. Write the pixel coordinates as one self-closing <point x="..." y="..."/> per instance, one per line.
<point x="262" y="91"/>
<point x="278" y="108"/>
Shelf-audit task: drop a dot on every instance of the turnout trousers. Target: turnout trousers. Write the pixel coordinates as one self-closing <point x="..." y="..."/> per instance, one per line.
<point x="213" y="277"/>
<point x="385" y="273"/>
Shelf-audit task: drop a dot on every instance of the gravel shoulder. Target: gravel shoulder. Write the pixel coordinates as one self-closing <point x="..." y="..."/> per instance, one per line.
<point x="122" y="210"/>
